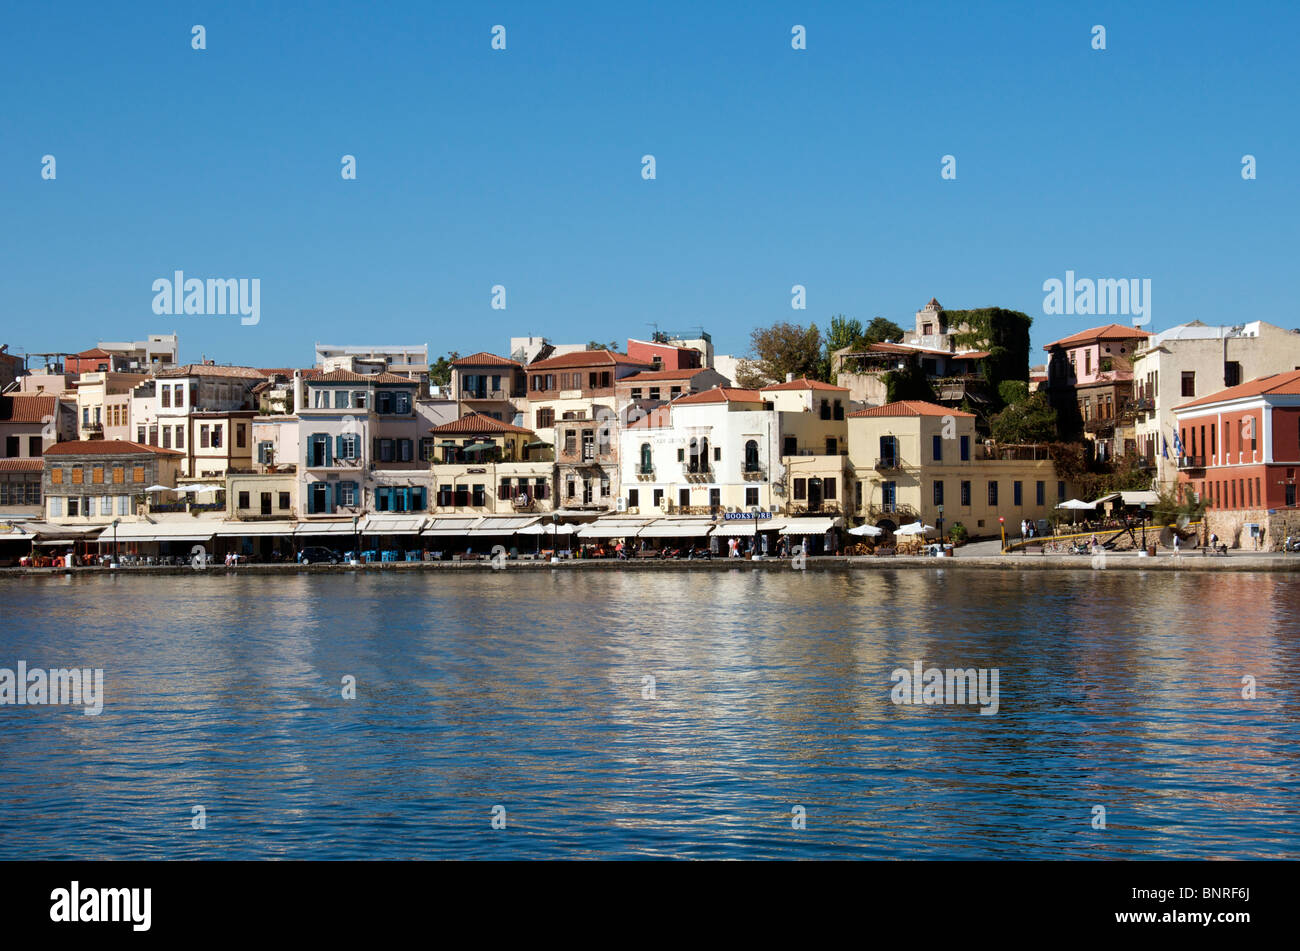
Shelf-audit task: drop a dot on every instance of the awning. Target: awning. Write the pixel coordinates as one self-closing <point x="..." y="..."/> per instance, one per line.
<point x="186" y="529"/>
<point x="1140" y="498"/>
<point x="53" y="532"/>
<point x="738" y="528"/>
<point x="676" y="528"/>
<point x="16" y="536"/>
<point x="324" y="528"/>
<point x="241" y="529"/>
<point x="451" y="527"/>
<point x="390" y="524"/>
<point x="614" y="528"/>
<point x="548" y="528"/>
<point x="503" y="525"/>
<point x="1106" y="498"/>
<point x="810" y="526"/>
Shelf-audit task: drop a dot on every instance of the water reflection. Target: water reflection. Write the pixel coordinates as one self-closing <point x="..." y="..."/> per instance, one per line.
<point x="525" y="689"/>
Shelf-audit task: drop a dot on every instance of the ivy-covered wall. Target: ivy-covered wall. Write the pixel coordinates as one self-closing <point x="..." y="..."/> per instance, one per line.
<point x="1003" y="333"/>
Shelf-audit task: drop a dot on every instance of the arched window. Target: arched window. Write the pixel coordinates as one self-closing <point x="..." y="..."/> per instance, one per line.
<point x="704" y="455"/>
<point x="751" y="456"/>
<point x="646" y="466"/>
<point x="694" y="464"/>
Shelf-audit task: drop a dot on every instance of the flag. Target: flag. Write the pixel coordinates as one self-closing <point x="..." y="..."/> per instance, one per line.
<point x="1164" y="447"/>
<point x="1178" y="446"/>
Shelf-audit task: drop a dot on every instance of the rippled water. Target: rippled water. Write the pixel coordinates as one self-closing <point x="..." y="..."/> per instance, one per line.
<point x="525" y="689"/>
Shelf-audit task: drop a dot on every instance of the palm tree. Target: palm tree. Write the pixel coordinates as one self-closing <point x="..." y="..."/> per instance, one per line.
<point x="1177" y="506"/>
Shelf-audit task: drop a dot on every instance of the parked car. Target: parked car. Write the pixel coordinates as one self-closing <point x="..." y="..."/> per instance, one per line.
<point x="319" y="556"/>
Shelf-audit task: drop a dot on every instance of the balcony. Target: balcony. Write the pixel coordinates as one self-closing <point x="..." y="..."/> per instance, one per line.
<point x="523" y="504"/>
<point x="645" y="473"/>
<point x="889" y="464"/>
<point x="754" y="475"/>
<point x="1191" y="462"/>
<point x="484" y="394"/>
<point x="92" y="430"/>
<point x="702" y="474"/>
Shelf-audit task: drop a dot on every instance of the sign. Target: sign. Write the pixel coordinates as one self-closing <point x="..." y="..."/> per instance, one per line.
<point x="744" y="516"/>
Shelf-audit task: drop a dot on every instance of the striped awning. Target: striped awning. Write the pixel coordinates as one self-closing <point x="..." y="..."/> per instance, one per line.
<point x="677" y="528"/>
<point x="392" y="524"/>
<point x="247" y="529"/>
<point x="614" y="527"/>
<point x="324" y="528"/>
<point x="451" y="527"/>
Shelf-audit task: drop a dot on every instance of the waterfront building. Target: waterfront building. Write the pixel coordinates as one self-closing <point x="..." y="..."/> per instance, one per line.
<point x="484" y="466"/>
<point x="571" y="405"/>
<point x="355" y="429"/>
<point x="1241" y="453"/>
<point x="202" y="410"/>
<point x="922" y="461"/>
<point x="1192" y="360"/>
<point x="486" y="383"/>
<point x="410" y="361"/>
<point x="97" y="360"/>
<point x="1090" y="385"/>
<point x="662" y="355"/>
<point x="639" y="392"/>
<point x="92" y="482"/>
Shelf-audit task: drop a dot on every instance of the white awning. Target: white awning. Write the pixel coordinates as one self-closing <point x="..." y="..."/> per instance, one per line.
<point x="392" y="524"/>
<point x="240" y="529"/>
<point x="451" y="527"/>
<point x="1140" y="498"/>
<point x="324" y="528"/>
<point x="503" y="524"/>
<point x="545" y="528"/>
<point x="676" y="528"/>
<point x="614" y="528"/>
<point x="738" y="528"/>
<point x="1106" y="498"/>
<point x="16" y="536"/>
<point x="185" y="529"/>
<point x="810" y="526"/>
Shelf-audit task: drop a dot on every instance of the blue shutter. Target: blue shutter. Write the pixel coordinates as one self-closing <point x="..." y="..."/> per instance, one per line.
<point x="338" y="447"/>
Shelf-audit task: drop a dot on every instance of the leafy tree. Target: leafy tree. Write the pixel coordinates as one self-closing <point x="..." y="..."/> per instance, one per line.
<point x="881" y="330"/>
<point x="781" y="349"/>
<point x="1013" y="392"/>
<point x="440" y="369"/>
<point x="1031" y="420"/>
<point x="1003" y="333"/>
<point x="909" y="383"/>
<point x="1175" y="503"/>
<point x="593" y="345"/>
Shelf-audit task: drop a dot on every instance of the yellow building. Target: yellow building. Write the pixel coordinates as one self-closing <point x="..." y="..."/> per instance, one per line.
<point x="917" y="460"/>
<point x="486" y="466"/>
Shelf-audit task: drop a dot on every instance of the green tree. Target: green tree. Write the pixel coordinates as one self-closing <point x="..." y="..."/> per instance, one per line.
<point x="1030" y="420"/>
<point x="1175" y="503"/>
<point x="1004" y="334"/>
<point x="440" y="369"/>
<point x="1013" y="392"/>
<point x="881" y="330"/>
<point x="593" y="345"/>
<point x="909" y="383"/>
<point x="781" y="349"/>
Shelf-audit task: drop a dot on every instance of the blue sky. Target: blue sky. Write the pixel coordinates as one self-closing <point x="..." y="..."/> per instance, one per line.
<point x="522" y="167"/>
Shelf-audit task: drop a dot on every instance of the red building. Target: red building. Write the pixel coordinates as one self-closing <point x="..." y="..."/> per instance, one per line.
<point x="664" y="356"/>
<point x="1240" y="447"/>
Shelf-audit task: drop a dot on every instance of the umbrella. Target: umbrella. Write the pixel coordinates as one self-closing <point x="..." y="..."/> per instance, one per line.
<point x="1075" y="505"/>
<point x="538" y="528"/>
<point x="160" y="488"/>
<point x="915" y="528"/>
<point x="869" y="530"/>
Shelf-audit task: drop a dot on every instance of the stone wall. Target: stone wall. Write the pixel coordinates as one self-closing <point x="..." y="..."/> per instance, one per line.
<point x="1230" y="527"/>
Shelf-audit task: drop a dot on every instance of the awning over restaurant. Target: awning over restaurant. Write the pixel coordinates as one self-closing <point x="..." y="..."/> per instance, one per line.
<point x="1140" y="498"/>
<point x="503" y="524"/>
<point x="739" y="528"/>
<point x="392" y="524"/>
<point x="626" y="527"/>
<point x="230" y="529"/>
<point x="183" y="529"/>
<point x="451" y="527"/>
<point x="1105" y="498"/>
<point x="324" y="528"/>
<point x="52" y="533"/>
<point x="676" y="528"/>
<point x="17" y="535"/>
<point x="810" y="526"/>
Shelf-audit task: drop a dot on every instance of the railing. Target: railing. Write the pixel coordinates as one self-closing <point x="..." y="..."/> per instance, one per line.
<point x="888" y="464"/>
<point x="523" y="505"/>
<point x="1191" y="462"/>
<point x="704" y="474"/>
<point x="484" y="394"/>
<point x="754" y="475"/>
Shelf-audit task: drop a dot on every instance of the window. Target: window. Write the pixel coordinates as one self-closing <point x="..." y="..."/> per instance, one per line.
<point x="97" y="475"/>
<point x="385" y="450"/>
<point x="320" y="398"/>
<point x="166" y="397"/>
<point x="1040" y="493"/>
<point x="1254" y="434"/>
<point x="684" y="497"/>
<point x="139" y="434"/>
<point x="284" y="501"/>
<point x="1231" y="373"/>
<point x="180" y="437"/>
<point x="266" y="503"/>
<point x="789" y="446"/>
<point x="647" y="466"/>
<point x="993" y="493"/>
<point x="570" y="441"/>
<point x="965" y="493"/>
<point x="839" y="410"/>
<point x="347" y="494"/>
<point x="119" y="475"/>
<point x="241" y="435"/>
<point x="965" y="448"/>
<point x="751" y="495"/>
<point x="889" y="451"/>
<point x="545" y="418"/>
<point x="636" y="392"/>
<point x="832" y="446"/>
<point x="1087" y="362"/>
<point x="243" y="500"/>
<point x="751" y="455"/>
<point x="938" y="493"/>
<point x="633" y="498"/>
<point x="888" y="496"/>
<point x="1189" y="383"/>
<point x="137" y="474"/>
<point x="56" y="476"/>
<point x="659" y="496"/>
<point x="1060" y="491"/>
<point x="570" y="487"/>
<point x="78" y="475"/>
<point x="1017" y="494"/>
<point x="167" y="437"/>
<point x="123" y="504"/>
<point x="401" y="402"/>
<point x="205" y="436"/>
<point x="384" y="402"/>
<point x="828" y="488"/>
<point x="800" y="489"/>
<point x="74" y="506"/>
<point x="654" y="393"/>
<point x="265" y="452"/>
<point x="936" y="447"/>
<point x="715" y="498"/>
<point x="588" y="445"/>
<point x="826" y="409"/>
<point x="340" y="399"/>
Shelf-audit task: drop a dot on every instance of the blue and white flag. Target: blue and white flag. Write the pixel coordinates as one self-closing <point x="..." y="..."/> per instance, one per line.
<point x="1164" y="447"/>
<point x="1178" y="446"/>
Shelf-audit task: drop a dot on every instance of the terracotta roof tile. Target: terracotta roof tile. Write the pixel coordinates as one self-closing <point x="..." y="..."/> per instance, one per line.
<point x="347" y="376"/>
<point x="22" y="464"/>
<point x="484" y="359"/>
<point x="1108" y="332"/>
<point x="472" y="423"/>
<point x="649" y="375"/>
<point x="720" y="394"/>
<point x="910" y="408"/>
<point x="1279" y="384"/>
<point x="804" y="383"/>
<point x="26" y="409"/>
<point x="106" y="447"/>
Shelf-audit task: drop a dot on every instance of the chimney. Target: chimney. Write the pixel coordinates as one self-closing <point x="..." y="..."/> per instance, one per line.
<point x="789" y="377"/>
<point x="297" y="391"/>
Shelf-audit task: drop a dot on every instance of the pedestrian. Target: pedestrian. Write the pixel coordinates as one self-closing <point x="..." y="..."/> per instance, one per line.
<point x="1177" y="543"/>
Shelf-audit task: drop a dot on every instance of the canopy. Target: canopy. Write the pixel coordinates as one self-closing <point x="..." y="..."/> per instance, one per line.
<point x="868" y="530"/>
<point x="389" y="523"/>
<point x="160" y="488"/>
<point x="1076" y="504"/>
<point x="1140" y="498"/>
<point x="809" y="526"/>
<point x="17" y="535"/>
<point x="614" y="528"/>
<point x="676" y="528"/>
<point x="1105" y="498"/>
<point x="737" y="528"/>
<point x="183" y="529"/>
<point x="451" y="527"/>
<point x="915" y="528"/>
<point x="229" y="529"/>
<point x="325" y="528"/>
<point x="541" y="528"/>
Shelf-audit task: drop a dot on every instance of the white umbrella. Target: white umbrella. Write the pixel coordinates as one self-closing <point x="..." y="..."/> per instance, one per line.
<point x="1076" y="504"/>
<point x="160" y="488"/>
<point x="538" y="528"/>
<point x="915" y="528"/>
<point x="869" y="530"/>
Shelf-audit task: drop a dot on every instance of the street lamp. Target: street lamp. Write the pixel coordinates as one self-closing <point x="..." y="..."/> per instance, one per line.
<point x="356" y="542"/>
<point x="940" y="525"/>
<point x="115" y="523"/>
<point x="555" y="538"/>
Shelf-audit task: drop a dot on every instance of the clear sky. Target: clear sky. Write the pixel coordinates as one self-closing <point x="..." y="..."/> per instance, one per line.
<point x="522" y="167"/>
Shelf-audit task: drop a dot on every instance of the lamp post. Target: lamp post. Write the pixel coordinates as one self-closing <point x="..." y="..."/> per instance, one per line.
<point x="1002" y="527"/>
<point x="115" y="523"/>
<point x="1143" y="509"/>
<point x="555" y="538"/>
<point x="940" y="525"/>
<point x="356" y="542"/>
